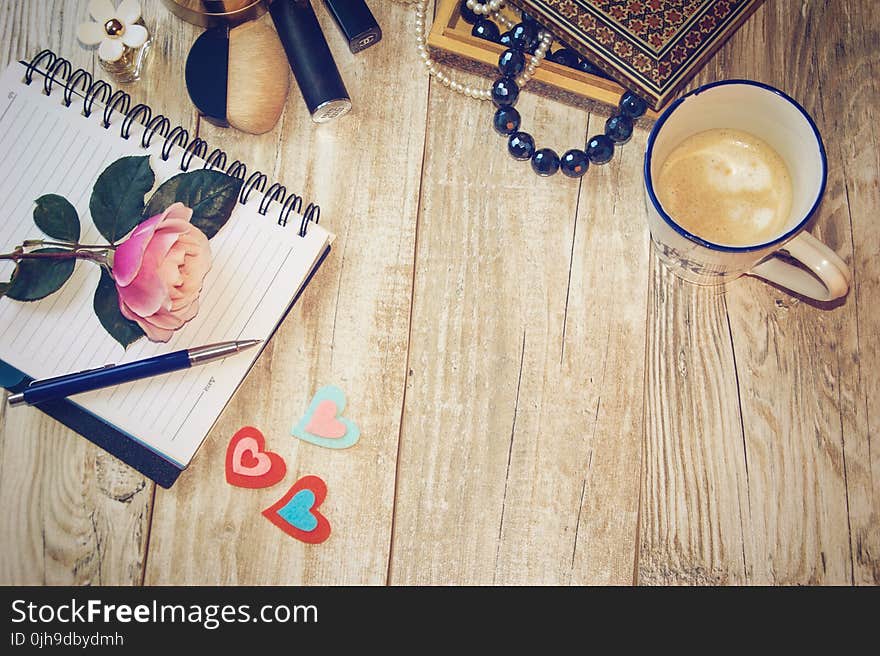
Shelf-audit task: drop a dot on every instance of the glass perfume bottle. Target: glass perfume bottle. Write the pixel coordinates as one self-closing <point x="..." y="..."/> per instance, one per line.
<point x="122" y="38"/>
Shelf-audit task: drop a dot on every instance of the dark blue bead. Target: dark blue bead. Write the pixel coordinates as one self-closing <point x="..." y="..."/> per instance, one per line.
<point x="565" y="57"/>
<point x="511" y="63"/>
<point x="545" y="162"/>
<point x="633" y="106"/>
<point x="619" y="128"/>
<point x="523" y="36"/>
<point x="600" y="149"/>
<point x="587" y="67"/>
<point x="574" y="163"/>
<point x="505" y="92"/>
<point x="521" y="145"/>
<point x="467" y="15"/>
<point x="486" y="29"/>
<point x="506" y="120"/>
<point x="504" y="39"/>
<point x="525" y="19"/>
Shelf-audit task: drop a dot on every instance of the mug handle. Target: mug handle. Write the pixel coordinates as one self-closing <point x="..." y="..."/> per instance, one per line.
<point x="830" y="277"/>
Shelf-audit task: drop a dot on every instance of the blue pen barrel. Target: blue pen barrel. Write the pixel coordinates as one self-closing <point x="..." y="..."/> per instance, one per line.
<point x="84" y="381"/>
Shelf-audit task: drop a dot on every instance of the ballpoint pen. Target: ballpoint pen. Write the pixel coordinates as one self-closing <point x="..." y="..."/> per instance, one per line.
<point x="113" y="374"/>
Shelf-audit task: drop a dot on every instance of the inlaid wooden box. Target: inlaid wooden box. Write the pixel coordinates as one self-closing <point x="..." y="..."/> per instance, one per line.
<point x="451" y="43"/>
<point x="654" y="47"/>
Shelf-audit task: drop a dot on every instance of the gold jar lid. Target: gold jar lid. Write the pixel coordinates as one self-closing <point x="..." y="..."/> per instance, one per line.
<point x="210" y="13"/>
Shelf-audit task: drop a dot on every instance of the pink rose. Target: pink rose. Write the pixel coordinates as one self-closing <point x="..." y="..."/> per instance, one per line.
<point x="159" y="271"/>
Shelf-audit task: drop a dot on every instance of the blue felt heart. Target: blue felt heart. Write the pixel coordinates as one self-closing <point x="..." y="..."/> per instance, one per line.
<point x="352" y="432"/>
<point x="298" y="511"/>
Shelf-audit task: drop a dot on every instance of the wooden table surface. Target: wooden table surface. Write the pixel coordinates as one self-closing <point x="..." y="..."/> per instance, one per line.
<point x="539" y="400"/>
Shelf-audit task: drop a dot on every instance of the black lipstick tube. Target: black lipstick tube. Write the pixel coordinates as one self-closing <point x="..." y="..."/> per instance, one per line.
<point x="310" y="59"/>
<point x="356" y="22"/>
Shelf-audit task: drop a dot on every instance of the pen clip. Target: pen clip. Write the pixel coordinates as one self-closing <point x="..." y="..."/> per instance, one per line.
<point x="65" y="376"/>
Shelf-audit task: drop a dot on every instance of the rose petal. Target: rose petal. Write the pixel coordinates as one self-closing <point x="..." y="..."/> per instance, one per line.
<point x="179" y="211"/>
<point x="110" y="50"/>
<point x="153" y="333"/>
<point x="90" y="33"/>
<point x="194" y="268"/>
<point x="170" y="269"/>
<point x="174" y="320"/>
<point x="134" y="36"/>
<point x="164" y="262"/>
<point x="148" y="292"/>
<point x="177" y="226"/>
<point x="128" y="12"/>
<point x="101" y="10"/>
<point x="128" y="255"/>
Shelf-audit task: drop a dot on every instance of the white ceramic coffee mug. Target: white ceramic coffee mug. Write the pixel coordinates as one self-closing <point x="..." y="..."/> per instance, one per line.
<point x="782" y="123"/>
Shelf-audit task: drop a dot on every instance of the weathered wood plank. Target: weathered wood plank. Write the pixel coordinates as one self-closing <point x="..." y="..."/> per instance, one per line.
<point x="510" y="339"/>
<point x="76" y="515"/>
<point x="350" y="328"/>
<point x="849" y="362"/>
<point x="562" y="424"/>
<point x="694" y="493"/>
<point x="792" y="368"/>
<point x="793" y="419"/>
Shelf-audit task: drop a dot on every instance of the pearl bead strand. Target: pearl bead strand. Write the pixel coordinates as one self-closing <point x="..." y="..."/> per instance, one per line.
<point x="485" y="9"/>
<point x="492" y="7"/>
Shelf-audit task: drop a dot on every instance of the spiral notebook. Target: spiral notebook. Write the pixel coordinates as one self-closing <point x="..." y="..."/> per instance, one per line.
<point x="261" y="261"/>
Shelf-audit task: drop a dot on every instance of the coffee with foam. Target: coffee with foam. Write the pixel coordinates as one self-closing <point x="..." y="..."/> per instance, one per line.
<point x="726" y="186"/>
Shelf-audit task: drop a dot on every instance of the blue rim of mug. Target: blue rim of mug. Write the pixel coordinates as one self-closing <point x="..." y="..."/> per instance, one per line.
<point x="699" y="240"/>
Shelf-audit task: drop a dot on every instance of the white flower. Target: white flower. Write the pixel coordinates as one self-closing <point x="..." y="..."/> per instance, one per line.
<point x="114" y="29"/>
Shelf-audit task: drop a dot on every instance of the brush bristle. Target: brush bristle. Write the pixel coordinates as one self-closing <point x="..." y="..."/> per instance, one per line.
<point x="259" y="78"/>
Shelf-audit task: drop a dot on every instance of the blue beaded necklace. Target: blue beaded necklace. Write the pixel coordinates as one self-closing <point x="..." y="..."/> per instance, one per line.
<point x="574" y="163"/>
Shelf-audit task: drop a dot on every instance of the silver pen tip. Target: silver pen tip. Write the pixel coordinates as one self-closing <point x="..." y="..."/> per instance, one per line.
<point x="15" y="399"/>
<point x="247" y="343"/>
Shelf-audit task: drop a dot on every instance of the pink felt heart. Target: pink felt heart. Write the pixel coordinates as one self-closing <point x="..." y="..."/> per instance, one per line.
<point x="248" y="459"/>
<point x="324" y="422"/>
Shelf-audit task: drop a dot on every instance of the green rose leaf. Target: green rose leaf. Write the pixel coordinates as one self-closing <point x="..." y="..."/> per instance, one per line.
<point x="106" y="306"/>
<point x="210" y="194"/>
<point x="56" y="217"/>
<point x="36" y="279"/>
<point x="118" y="196"/>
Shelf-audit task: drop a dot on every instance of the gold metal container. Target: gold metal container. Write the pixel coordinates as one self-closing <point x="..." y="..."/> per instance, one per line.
<point x="210" y="13"/>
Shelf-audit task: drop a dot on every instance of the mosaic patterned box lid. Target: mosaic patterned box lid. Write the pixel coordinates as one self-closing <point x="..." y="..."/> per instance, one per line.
<point x="651" y="46"/>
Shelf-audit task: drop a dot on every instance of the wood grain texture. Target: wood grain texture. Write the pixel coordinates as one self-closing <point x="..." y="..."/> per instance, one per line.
<point x="849" y="41"/>
<point x="795" y="424"/>
<point x="505" y="446"/>
<point x="797" y="480"/>
<point x="349" y="329"/>
<point x="540" y="400"/>
<point x="76" y="515"/>
<point x="694" y="492"/>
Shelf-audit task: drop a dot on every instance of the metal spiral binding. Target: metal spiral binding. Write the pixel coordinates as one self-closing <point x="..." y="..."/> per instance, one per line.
<point x="59" y="71"/>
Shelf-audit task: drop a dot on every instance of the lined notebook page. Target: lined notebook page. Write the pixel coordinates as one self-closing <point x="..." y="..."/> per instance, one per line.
<point x="257" y="269"/>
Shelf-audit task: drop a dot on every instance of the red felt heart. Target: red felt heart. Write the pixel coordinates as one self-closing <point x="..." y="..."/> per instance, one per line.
<point x="248" y="460"/>
<point x="248" y="464"/>
<point x="276" y="513"/>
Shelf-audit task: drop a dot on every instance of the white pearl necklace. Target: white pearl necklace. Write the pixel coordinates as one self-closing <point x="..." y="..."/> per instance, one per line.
<point x="492" y="7"/>
<point x="484" y="9"/>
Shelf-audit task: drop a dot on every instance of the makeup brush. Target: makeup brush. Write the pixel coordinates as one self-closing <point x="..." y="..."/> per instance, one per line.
<point x="239" y="77"/>
<point x="259" y="79"/>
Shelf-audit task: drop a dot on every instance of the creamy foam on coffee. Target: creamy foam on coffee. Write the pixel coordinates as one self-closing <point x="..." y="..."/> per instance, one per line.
<point x="726" y="186"/>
